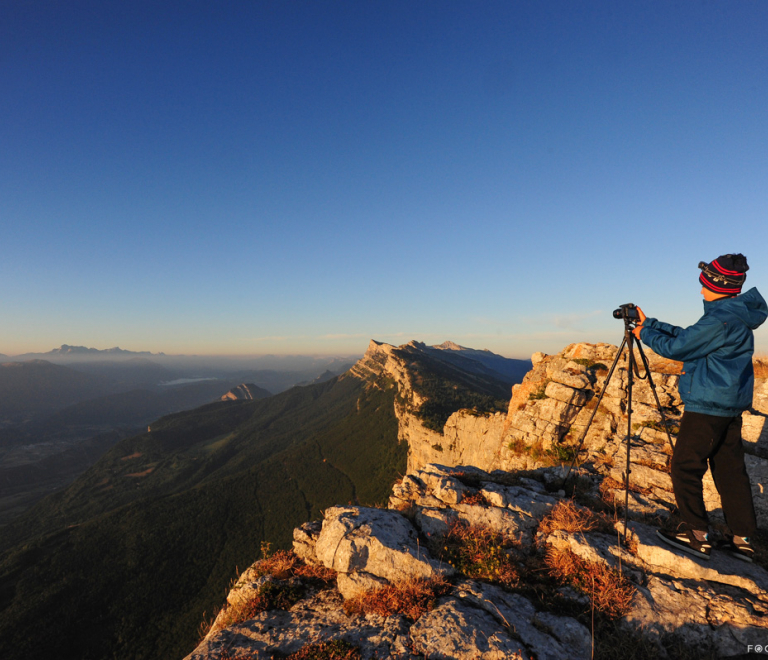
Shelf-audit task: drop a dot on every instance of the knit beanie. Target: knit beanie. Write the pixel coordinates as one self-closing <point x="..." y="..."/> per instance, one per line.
<point x="726" y="274"/>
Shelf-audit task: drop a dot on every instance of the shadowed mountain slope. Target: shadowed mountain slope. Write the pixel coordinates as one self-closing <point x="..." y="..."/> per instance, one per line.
<point x="124" y="562"/>
<point x="37" y="387"/>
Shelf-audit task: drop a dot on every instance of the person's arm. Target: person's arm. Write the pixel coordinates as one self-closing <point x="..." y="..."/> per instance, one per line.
<point x="666" y="328"/>
<point x="649" y="322"/>
<point x="696" y="341"/>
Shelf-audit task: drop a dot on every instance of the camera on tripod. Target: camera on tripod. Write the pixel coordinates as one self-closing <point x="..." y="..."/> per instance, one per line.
<point x="631" y="316"/>
<point x="627" y="312"/>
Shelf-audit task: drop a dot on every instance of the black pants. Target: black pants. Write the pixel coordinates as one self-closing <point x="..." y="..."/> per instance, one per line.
<point x="717" y="440"/>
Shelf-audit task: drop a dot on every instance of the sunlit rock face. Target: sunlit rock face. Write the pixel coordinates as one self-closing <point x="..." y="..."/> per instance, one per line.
<point x="503" y="471"/>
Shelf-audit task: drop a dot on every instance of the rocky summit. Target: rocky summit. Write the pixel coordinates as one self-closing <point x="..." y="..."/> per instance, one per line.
<point x="484" y="551"/>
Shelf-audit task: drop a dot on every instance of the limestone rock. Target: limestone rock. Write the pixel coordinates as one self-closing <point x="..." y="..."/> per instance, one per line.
<point x="352" y="584"/>
<point x="304" y="540"/>
<point x="564" y="639"/>
<point x="570" y="377"/>
<point x="375" y="541"/>
<point x="566" y="394"/>
<point x="537" y="357"/>
<point x="760" y="400"/>
<point x="754" y="432"/>
<point x="702" y="615"/>
<point x="434" y="522"/>
<point x="460" y="631"/>
<point x="318" y="619"/>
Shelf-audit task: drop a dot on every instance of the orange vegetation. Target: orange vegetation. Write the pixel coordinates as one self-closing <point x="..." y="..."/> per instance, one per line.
<point x="411" y="598"/>
<point x="609" y="590"/>
<point x="566" y="516"/>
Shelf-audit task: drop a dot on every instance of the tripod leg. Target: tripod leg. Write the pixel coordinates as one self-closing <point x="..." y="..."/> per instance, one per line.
<point x="630" y="380"/>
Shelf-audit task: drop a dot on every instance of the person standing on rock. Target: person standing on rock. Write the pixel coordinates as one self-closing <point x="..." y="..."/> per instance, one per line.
<point x="716" y="387"/>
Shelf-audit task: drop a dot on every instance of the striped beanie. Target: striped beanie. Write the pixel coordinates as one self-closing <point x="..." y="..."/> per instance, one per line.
<point x="726" y="274"/>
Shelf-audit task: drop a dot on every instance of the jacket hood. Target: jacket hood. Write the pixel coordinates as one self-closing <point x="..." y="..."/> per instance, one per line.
<point x="750" y="307"/>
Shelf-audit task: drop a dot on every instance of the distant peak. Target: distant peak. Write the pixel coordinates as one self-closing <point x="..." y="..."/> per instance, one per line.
<point x="66" y="349"/>
<point x="450" y="346"/>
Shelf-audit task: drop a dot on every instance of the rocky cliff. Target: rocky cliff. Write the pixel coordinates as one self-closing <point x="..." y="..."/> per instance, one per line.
<point x="468" y="437"/>
<point x="484" y="552"/>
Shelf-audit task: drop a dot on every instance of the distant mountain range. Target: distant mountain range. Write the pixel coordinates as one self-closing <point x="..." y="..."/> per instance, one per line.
<point x="67" y="351"/>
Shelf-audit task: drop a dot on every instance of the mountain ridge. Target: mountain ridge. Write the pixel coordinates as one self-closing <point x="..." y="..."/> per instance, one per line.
<point x="501" y="561"/>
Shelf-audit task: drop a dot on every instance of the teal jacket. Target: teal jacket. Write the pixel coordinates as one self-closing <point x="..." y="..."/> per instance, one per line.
<point x="718" y="377"/>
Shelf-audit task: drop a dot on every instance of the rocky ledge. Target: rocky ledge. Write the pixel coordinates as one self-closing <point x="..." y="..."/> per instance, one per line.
<point x="494" y="559"/>
<point x="470" y="564"/>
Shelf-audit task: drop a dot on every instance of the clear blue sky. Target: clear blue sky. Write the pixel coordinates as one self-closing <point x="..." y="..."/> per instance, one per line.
<point x="300" y="177"/>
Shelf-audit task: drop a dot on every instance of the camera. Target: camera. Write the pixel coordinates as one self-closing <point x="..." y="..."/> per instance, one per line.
<point x="627" y="312"/>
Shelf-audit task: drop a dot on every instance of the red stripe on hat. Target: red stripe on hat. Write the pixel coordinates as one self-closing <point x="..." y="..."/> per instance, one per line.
<point x="725" y="271"/>
<point x="716" y="289"/>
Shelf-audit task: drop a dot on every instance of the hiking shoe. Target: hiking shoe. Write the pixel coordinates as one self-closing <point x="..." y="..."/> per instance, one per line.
<point x="687" y="542"/>
<point x="741" y="548"/>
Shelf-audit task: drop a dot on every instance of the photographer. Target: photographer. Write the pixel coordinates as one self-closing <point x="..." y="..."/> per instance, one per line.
<point x="716" y="387"/>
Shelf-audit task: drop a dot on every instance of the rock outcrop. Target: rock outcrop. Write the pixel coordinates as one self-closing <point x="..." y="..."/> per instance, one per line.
<point x="469" y="437"/>
<point x="673" y="601"/>
<point x="561" y="573"/>
<point x="243" y="392"/>
<point x="549" y="412"/>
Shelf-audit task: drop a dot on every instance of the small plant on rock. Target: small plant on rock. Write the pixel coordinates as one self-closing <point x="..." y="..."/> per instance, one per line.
<point x="291" y="577"/>
<point x="568" y="517"/>
<point x="412" y="598"/>
<point x="540" y="393"/>
<point x="285" y="564"/>
<point x="478" y="552"/>
<point x="475" y="499"/>
<point x="609" y="590"/>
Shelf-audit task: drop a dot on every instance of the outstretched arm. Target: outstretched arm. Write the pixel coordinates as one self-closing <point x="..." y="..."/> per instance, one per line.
<point x="696" y="341"/>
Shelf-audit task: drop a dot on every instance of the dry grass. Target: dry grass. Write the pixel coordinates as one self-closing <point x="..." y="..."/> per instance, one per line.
<point x="478" y="552"/>
<point x="760" y="364"/>
<point x="475" y="499"/>
<point x="609" y="483"/>
<point x="336" y="649"/>
<point x="284" y="564"/>
<point x="568" y="517"/>
<point x="271" y="596"/>
<point x="609" y="590"/>
<point x="281" y="595"/>
<point x="412" y="598"/>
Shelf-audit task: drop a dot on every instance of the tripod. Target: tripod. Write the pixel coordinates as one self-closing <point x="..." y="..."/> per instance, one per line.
<point x="629" y="314"/>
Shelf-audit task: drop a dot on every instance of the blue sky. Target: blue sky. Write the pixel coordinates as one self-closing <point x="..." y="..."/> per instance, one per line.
<point x="300" y="177"/>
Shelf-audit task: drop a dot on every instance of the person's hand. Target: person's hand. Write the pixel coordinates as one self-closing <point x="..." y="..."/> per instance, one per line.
<point x="639" y="327"/>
